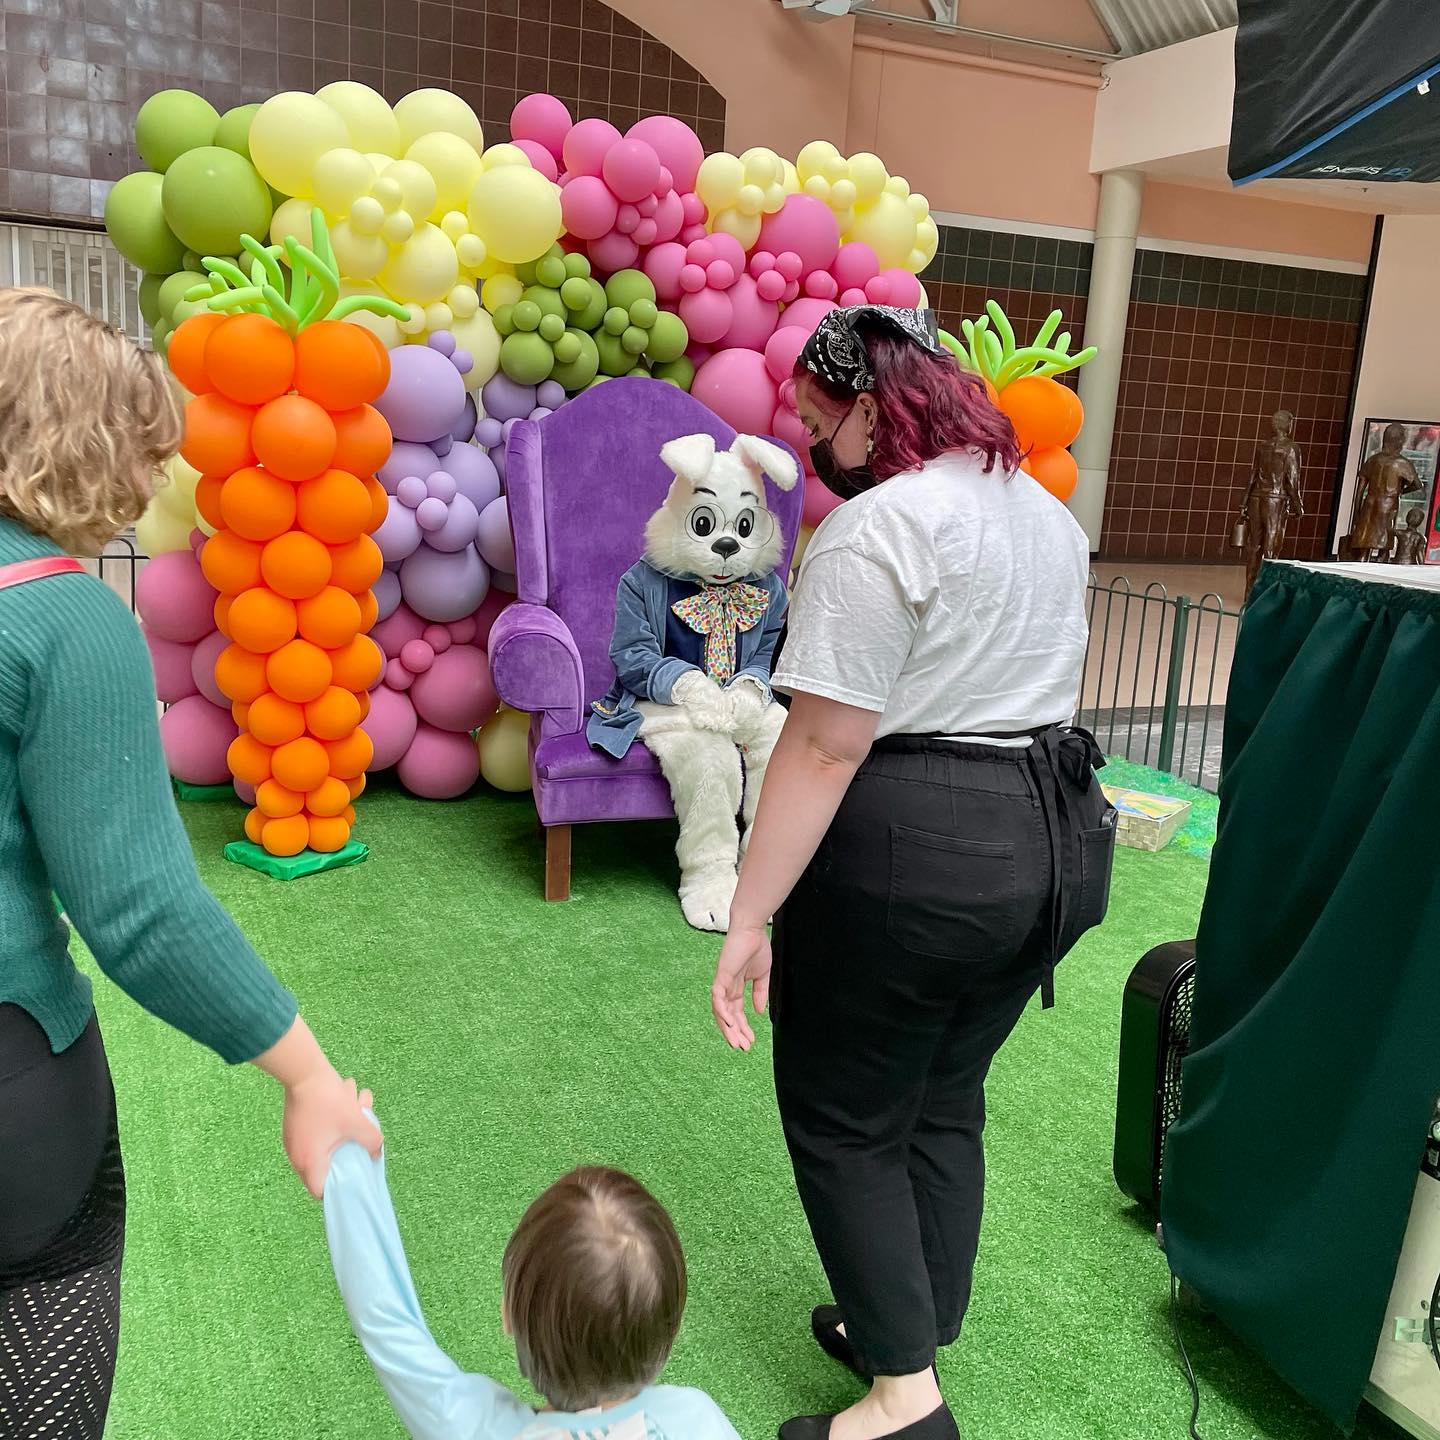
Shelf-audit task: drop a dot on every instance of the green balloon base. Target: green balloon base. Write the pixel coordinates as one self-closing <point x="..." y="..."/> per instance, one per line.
<point x="294" y="867"/>
<point x="204" y="794"/>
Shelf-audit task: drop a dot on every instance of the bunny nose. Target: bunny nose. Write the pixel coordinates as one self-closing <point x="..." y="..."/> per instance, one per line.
<point x="725" y="547"/>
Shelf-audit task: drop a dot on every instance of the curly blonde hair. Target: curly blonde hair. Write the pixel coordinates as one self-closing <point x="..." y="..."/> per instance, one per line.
<point x="87" y="419"/>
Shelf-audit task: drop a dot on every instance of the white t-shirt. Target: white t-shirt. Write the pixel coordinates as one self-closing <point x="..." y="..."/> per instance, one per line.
<point x="948" y="600"/>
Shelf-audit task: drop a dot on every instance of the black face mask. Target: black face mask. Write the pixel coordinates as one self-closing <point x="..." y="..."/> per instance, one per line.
<point x="846" y="483"/>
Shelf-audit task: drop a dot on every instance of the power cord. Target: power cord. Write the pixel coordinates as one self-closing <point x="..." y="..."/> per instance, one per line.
<point x="1190" y="1369"/>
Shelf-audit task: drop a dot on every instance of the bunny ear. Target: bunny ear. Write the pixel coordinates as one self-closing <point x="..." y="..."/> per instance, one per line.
<point x="766" y="456"/>
<point x="690" y="456"/>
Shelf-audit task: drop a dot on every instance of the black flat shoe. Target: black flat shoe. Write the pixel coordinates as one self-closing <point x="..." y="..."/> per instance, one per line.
<point x="939" y="1424"/>
<point x="825" y="1323"/>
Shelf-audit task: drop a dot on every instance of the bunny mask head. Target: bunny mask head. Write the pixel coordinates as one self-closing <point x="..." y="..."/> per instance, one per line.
<point x="714" y="525"/>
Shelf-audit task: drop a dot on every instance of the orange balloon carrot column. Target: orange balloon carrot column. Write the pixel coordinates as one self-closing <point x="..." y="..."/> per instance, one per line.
<point x="282" y="429"/>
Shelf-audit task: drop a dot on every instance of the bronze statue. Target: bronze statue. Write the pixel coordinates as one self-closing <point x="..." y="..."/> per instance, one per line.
<point x="1385" y="479"/>
<point x="1410" y="542"/>
<point x="1271" y="497"/>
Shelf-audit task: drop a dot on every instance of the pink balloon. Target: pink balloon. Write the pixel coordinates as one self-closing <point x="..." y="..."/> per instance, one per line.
<point x="631" y="169"/>
<point x="171" y="661"/>
<point x="771" y="285"/>
<point x="819" y="501"/>
<point x="737" y="387"/>
<point x="456" y="692"/>
<point x="663" y="265"/>
<point x="852" y="297"/>
<point x="854" y="264"/>
<point x="486" y="616"/>
<point x="539" y="157"/>
<point x="707" y="314"/>
<point x="669" y="217"/>
<point x="543" y="119"/>
<point x="202" y="667"/>
<point x="755" y="318"/>
<point x="613" y="252"/>
<point x="588" y="207"/>
<point x="390" y="725"/>
<point x="587" y="145"/>
<point x="782" y="350"/>
<point x="245" y="791"/>
<point x="805" y="225"/>
<point x="904" y="287"/>
<point x="394" y="633"/>
<point x="786" y="425"/>
<point x="677" y="145"/>
<point x="196" y="735"/>
<point x="174" y="599"/>
<point x="440" y="764"/>
<point x="807" y="314"/>
<point x="820" y="285"/>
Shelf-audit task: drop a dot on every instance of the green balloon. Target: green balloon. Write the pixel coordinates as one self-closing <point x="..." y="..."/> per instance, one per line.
<point x="643" y="313"/>
<point x="639" y="373"/>
<point x="548" y="299"/>
<point x="552" y="328"/>
<point x="185" y="309"/>
<point x="550" y="271"/>
<point x="598" y="380"/>
<point x="233" y="131"/>
<point x="150" y="298"/>
<point x="525" y="273"/>
<point x="527" y="315"/>
<point x="172" y="122"/>
<point x="634" y="340"/>
<point x="160" y="335"/>
<point x="591" y="312"/>
<point x="577" y="267"/>
<point x="615" y="359"/>
<point x="679" y="372"/>
<point x="625" y="287"/>
<point x="173" y="290"/>
<point x="505" y="320"/>
<point x="135" y="221"/>
<point x="526" y="358"/>
<point x="616" y="320"/>
<point x="668" y="338"/>
<point x="567" y="348"/>
<point x="576" y="374"/>
<point x="212" y="197"/>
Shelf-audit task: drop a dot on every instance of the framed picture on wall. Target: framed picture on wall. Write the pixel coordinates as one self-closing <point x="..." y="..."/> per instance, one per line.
<point x="1421" y="447"/>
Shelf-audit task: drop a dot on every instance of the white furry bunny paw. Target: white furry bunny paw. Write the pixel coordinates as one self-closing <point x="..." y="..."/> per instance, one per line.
<point x="706" y="899"/>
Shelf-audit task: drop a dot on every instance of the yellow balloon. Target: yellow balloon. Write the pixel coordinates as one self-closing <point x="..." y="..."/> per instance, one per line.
<point x="869" y="175"/>
<point x="504" y="155"/>
<point x="504" y="745"/>
<point x="745" y="228"/>
<point x="719" y="181"/>
<point x="159" y="531"/>
<point x="360" y="257"/>
<point x="815" y="159"/>
<point x="791" y="181"/>
<point x="763" y="166"/>
<point x="417" y="188"/>
<point x="888" y="228"/>
<point x="422" y="111"/>
<point x="378" y="159"/>
<point x="368" y="119"/>
<point x="515" y="210"/>
<point x="807" y="533"/>
<point x="289" y="133"/>
<point x="382" y="325"/>
<point x="422" y="270"/>
<point x="477" y="334"/>
<point x="452" y="165"/>
<point x="291" y="218"/>
<point x="341" y="177"/>
<point x="498" y="290"/>
<point x="927" y="242"/>
<point x="177" y="495"/>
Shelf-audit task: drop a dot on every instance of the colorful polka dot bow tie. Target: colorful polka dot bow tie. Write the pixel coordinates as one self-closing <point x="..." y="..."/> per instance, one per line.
<point x="719" y="613"/>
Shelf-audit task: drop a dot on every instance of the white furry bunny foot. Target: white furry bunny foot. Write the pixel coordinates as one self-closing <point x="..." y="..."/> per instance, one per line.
<point x="706" y="900"/>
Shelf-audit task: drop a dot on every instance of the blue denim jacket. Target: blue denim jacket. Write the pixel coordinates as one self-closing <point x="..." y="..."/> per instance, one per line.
<point x="642" y="669"/>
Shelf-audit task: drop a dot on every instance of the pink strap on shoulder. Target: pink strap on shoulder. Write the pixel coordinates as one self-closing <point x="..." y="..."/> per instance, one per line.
<point x="23" y="570"/>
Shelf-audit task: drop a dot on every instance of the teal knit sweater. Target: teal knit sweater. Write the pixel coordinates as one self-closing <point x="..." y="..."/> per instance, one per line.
<point x="86" y="811"/>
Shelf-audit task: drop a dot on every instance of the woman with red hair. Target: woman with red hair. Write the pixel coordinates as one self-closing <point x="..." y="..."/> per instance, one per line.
<point x="930" y="839"/>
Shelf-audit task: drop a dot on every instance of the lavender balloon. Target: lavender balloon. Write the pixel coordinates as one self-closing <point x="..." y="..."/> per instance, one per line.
<point x="443" y="587"/>
<point x="494" y="541"/>
<point x="399" y="534"/>
<point x="425" y="396"/>
<point x="504" y="399"/>
<point x="474" y="474"/>
<point x="407" y="459"/>
<point x="387" y="594"/>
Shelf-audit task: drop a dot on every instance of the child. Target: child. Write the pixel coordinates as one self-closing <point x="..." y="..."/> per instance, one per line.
<point x="593" y="1285"/>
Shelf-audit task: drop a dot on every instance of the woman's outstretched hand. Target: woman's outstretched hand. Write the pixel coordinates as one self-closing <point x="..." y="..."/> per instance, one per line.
<point x="744" y="959"/>
<point x="322" y="1112"/>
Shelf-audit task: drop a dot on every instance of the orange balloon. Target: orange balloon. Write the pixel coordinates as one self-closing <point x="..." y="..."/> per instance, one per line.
<point x="330" y="619"/>
<point x="261" y="620"/>
<point x="328" y="834"/>
<point x="300" y="765"/>
<point x="299" y="672"/>
<point x="1046" y="414"/>
<point x="276" y="802"/>
<point x="351" y="756"/>
<point x="217" y="434"/>
<point x="255" y="826"/>
<point x="294" y="437"/>
<point x="274" y="721"/>
<point x="329" y="797"/>
<point x="335" y="507"/>
<point x="286" y="837"/>
<point x="364" y="700"/>
<point x="207" y="499"/>
<point x="369" y="611"/>
<point x="356" y="566"/>
<point x="350" y="812"/>
<point x="362" y="440"/>
<point x="231" y="564"/>
<point x="296" y="565"/>
<point x="240" y="674"/>
<point x="357" y="665"/>
<point x="186" y="352"/>
<point x="333" y="716"/>
<point x="340" y="366"/>
<point x="257" y="505"/>
<point x="222" y="615"/>
<point x="379" y="504"/>
<point x="249" y="760"/>
<point x="250" y="358"/>
<point x="240" y="714"/>
<point x="1055" y="469"/>
<point x="357" y="787"/>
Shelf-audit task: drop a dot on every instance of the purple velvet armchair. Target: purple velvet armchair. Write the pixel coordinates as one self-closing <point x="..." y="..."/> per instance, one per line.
<point x="582" y="483"/>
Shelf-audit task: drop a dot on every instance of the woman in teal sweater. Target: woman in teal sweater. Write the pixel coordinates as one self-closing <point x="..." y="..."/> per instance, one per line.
<point x="86" y="814"/>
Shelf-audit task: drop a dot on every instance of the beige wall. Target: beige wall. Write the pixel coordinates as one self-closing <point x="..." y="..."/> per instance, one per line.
<point x="1398" y="378"/>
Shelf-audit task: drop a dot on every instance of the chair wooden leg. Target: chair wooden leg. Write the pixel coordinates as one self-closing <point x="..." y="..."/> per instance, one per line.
<point x="557" y="862"/>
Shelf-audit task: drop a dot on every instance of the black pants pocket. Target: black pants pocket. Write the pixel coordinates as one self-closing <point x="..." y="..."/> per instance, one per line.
<point x="950" y="897"/>
<point x="1091" y="899"/>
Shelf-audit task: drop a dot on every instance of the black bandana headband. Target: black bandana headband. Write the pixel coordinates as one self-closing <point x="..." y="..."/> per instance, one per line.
<point x="836" y="351"/>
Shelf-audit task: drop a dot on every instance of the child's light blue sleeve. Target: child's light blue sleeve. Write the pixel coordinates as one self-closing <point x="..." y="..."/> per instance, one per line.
<point x="688" y="1413"/>
<point x="433" y="1397"/>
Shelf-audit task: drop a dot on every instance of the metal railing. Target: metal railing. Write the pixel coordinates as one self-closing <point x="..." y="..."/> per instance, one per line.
<point x="119" y="566"/>
<point x="81" y="265"/>
<point x="1156" y="671"/>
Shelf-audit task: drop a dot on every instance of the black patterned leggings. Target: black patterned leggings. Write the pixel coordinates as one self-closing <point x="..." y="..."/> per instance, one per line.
<point x="62" y="1231"/>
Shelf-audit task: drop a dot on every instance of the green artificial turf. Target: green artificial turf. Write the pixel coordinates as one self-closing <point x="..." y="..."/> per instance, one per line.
<point x="1197" y="835"/>
<point x="507" y="1040"/>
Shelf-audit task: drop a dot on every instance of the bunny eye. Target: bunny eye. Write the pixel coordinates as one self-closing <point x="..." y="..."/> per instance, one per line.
<point x="745" y="525"/>
<point x="703" y="522"/>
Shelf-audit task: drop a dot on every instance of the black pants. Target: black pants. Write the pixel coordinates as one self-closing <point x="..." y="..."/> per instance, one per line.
<point x="62" y="1228"/>
<point x="904" y="958"/>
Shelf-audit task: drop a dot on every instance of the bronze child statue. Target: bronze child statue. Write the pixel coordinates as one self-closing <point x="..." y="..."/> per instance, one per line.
<point x="1410" y="542"/>
<point x="1271" y="497"/>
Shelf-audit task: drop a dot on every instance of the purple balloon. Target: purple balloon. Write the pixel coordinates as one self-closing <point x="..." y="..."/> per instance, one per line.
<point x="550" y="393"/>
<point x="440" y="764"/>
<point x="387" y="593"/>
<point x="431" y="514"/>
<point x="407" y="459"/>
<point x="458" y="530"/>
<point x="442" y="486"/>
<point x="504" y="399"/>
<point x="441" y="446"/>
<point x="390" y="725"/>
<point x="506" y="583"/>
<point x="411" y="492"/>
<point x="474" y="474"/>
<point x="441" y="586"/>
<point x="202" y="667"/>
<point x="493" y="540"/>
<point x="443" y="341"/>
<point x="399" y="533"/>
<point x="465" y="425"/>
<point x="488" y="433"/>
<point x="425" y="396"/>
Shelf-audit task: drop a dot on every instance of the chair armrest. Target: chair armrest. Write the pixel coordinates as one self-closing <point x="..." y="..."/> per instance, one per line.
<point x="536" y="666"/>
